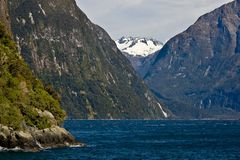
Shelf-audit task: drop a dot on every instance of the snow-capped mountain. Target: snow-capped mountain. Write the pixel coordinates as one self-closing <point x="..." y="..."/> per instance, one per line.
<point x="136" y="46"/>
<point x="139" y="51"/>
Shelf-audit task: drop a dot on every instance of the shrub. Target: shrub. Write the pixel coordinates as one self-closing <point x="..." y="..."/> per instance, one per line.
<point x="17" y="101"/>
<point x="10" y="116"/>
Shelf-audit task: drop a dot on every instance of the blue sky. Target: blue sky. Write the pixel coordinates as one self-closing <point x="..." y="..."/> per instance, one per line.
<point x="159" y="19"/>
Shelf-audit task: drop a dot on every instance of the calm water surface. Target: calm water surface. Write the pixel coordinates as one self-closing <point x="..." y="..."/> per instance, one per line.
<point x="150" y="140"/>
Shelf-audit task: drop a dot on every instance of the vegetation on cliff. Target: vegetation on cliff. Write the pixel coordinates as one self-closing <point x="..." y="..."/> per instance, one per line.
<point x="23" y="98"/>
<point x="65" y="49"/>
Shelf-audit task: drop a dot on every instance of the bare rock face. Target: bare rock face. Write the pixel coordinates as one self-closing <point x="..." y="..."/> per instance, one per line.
<point x="20" y="123"/>
<point x="65" y="49"/>
<point x="197" y="73"/>
<point x="141" y="64"/>
<point x="35" y="140"/>
<point x="4" y="14"/>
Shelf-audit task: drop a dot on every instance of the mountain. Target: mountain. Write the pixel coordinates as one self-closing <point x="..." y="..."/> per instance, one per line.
<point x="197" y="73"/>
<point x="4" y="15"/>
<point x="139" y="51"/>
<point x="137" y="46"/>
<point x="29" y="112"/>
<point x="65" y="49"/>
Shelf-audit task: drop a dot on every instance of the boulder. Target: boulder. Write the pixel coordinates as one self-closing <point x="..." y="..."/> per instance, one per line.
<point x="35" y="140"/>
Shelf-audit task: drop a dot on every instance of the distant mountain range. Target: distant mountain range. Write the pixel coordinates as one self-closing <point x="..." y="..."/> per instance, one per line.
<point x="197" y="73"/>
<point x="138" y="46"/>
<point x="139" y="51"/>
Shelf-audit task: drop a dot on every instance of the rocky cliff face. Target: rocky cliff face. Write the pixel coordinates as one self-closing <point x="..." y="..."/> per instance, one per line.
<point x="80" y="60"/>
<point x="4" y="14"/>
<point x="140" y="64"/>
<point x="27" y="109"/>
<point x="197" y="72"/>
<point x="35" y="139"/>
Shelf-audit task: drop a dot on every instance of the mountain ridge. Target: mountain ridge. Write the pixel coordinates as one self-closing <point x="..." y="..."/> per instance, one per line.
<point x="200" y="67"/>
<point x="30" y="114"/>
<point x="64" y="48"/>
<point x="139" y="51"/>
<point x="138" y="46"/>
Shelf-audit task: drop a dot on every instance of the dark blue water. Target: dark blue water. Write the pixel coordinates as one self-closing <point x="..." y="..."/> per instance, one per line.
<point x="152" y="140"/>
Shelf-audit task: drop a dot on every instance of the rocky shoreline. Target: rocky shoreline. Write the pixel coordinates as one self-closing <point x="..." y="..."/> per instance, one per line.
<point x="33" y="140"/>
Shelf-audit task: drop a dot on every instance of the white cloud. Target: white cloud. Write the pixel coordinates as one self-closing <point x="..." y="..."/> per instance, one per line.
<point x="160" y="19"/>
<point x="126" y="3"/>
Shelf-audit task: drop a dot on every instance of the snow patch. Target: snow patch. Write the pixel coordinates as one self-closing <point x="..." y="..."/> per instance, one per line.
<point x="138" y="46"/>
<point x="74" y="93"/>
<point x="207" y="71"/>
<point x="30" y="15"/>
<point x="209" y="103"/>
<point x="18" y="44"/>
<point x="58" y="67"/>
<point x="164" y="113"/>
<point x="112" y="78"/>
<point x="23" y="21"/>
<point x="147" y="96"/>
<point x="201" y="104"/>
<point x="43" y="11"/>
<point x="179" y="74"/>
<point x="18" y="20"/>
<point x="170" y="63"/>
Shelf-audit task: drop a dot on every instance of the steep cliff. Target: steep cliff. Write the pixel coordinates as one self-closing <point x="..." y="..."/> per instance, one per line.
<point x="29" y="112"/>
<point x="4" y="14"/>
<point x="197" y="72"/>
<point x="81" y="61"/>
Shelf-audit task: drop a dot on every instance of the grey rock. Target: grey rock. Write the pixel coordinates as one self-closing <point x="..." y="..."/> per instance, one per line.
<point x="65" y="49"/>
<point x="197" y="72"/>
<point x="4" y="14"/>
<point x="36" y="140"/>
